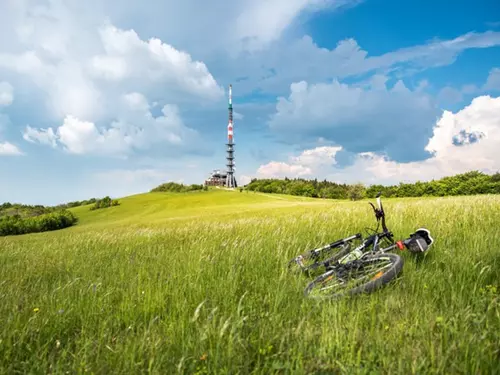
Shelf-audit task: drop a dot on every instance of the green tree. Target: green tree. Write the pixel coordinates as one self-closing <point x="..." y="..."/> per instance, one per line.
<point x="356" y="192"/>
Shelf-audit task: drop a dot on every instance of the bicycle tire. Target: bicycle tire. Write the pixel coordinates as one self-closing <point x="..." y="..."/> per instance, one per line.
<point x="396" y="266"/>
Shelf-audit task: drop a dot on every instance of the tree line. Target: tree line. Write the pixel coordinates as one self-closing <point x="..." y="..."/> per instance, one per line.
<point x="178" y="188"/>
<point x="76" y="203"/>
<point x="470" y="183"/>
<point x="24" y="210"/>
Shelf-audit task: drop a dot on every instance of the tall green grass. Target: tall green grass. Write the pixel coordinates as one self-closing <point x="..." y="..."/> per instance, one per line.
<point x="197" y="284"/>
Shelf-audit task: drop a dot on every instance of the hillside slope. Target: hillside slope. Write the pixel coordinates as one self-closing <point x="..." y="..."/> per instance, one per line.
<point x="216" y="204"/>
<point x="196" y="283"/>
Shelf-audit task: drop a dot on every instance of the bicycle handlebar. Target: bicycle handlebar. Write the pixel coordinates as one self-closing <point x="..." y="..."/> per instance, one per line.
<point x="379" y="213"/>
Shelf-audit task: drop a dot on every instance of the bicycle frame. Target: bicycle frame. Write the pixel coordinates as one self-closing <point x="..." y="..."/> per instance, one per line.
<point x="337" y="243"/>
<point x="361" y="251"/>
<point x="315" y="253"/>
<point x="373" y="240"/>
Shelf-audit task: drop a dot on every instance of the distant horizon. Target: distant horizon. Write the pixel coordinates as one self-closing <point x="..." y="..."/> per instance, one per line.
<point x="104" y="99"/>
<point x="239" y="186"/>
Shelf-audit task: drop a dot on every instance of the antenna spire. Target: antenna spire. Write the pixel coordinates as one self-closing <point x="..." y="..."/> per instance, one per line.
<point x="230" y="180"/>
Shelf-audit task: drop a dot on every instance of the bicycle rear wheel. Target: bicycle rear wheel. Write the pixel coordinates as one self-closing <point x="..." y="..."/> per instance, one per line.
<point x="360" y="276"/>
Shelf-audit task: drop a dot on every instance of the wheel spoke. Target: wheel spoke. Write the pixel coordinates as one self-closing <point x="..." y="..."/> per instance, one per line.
<point x="352" y="275"/>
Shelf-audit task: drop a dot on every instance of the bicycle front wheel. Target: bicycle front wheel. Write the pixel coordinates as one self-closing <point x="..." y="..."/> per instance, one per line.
<point x="360" y="276"/>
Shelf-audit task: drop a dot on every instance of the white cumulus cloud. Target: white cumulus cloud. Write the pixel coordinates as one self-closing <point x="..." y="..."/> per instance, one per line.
<point x="281" y="169"/>
<point x="361" y="119"/>
<point x="7" y="148"/>
<point x="468" y="139"/>
<point x="319" y="156"/>
<point x="462" y="141"/>
<point x="75" y="64"/>
<point x="306" y="164"/>
<point x="134" y="128"/>
<point x="43" y="136"/>
<point x="263" y="22"/>
<point x="151" y="62"/>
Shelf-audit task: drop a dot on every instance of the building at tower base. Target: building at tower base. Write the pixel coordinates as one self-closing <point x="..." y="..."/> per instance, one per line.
<point x="216" y="178"/>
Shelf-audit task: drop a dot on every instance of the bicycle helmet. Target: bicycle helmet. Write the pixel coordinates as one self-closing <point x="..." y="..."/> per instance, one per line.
<point x="420" y="241"/>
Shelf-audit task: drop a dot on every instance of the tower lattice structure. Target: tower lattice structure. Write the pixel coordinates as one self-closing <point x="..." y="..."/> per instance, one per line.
<point x="230" y="179"/>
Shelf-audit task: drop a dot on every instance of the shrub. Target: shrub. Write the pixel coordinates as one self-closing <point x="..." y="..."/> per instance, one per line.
<point x="104" y="203"/>
<point x="15" y="224"/>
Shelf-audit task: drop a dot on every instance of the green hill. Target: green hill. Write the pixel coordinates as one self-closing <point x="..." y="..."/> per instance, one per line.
<point x="160" y="208"/>
<point x="196" y="283"/>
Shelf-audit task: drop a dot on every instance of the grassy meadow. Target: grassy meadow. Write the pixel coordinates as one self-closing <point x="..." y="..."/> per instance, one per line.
<point x="196" y="283"/>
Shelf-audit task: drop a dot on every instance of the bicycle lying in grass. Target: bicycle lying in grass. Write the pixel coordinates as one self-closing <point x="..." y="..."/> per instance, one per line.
<point x="363" y="269"/>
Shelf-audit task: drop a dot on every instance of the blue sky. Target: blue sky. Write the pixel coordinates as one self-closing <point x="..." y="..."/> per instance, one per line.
<point x="115" y="97"/>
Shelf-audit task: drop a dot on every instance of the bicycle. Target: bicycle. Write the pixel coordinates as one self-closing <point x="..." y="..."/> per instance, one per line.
<point x="347" y="265"/>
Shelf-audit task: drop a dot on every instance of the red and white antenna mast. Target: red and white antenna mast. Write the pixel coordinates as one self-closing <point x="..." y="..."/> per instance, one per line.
<point x="230" y="124"/>
<point x="230" y="180"/>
